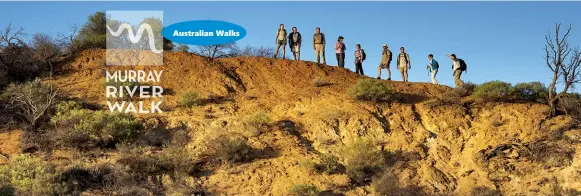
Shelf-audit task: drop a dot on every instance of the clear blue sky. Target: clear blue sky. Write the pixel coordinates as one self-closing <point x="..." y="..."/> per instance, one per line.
<point x="498" y="40"/>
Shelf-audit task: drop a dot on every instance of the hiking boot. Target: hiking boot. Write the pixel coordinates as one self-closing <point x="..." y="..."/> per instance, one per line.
<point x="378" y="78"/>
<point x="388" y="78"/>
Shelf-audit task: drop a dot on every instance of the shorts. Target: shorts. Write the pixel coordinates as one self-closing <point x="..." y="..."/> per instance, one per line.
<point x="296" y="48"/>
<point x="281" y="43"/>
<point x="403" y="69"/>
<point x="384" y="66"/>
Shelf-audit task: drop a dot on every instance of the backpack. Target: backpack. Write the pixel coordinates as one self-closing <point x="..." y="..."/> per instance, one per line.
<point x="390" y="55"/>
<point x="435" y="64"/>
<point x="462" y="65"/>
<point x="363" y="55"/>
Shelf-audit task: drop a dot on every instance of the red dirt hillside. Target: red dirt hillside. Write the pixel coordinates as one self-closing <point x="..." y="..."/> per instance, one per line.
<point x="439" y="143"/>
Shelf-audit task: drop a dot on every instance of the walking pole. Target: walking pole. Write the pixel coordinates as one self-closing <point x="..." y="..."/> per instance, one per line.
<point x="429" y="72"/>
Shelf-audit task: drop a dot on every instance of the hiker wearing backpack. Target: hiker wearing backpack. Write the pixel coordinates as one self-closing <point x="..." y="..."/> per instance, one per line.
<point x="385" y="61"/>
<point x="340" y="52"/>
<point x="319" y="42"/>
<point x="294" y="42"/>
<point x="458" y="65"/>
<point x="404" y="64"/>
<point x="281" y="41"/>
<point x="433" y="67"/>
<point x="359" y="58"/>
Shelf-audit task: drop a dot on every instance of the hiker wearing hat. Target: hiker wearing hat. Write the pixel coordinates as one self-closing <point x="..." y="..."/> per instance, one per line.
<point x="340" y="52"/>
<point x="433" y="67"/>
<point x="294" y="41"/>
<point x="385" y="61"/>
<point x="319" y="42"/>
<point x="281" y="41"/>
<point x="404" y="63"/>
<point x="457" y="68"/>
<point x="359" y="58"/>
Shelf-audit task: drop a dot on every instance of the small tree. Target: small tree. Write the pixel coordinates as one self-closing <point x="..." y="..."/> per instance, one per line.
<point x="93" y="33"/>
<point x="564" y="62"/>
<point x="215" y="51"/>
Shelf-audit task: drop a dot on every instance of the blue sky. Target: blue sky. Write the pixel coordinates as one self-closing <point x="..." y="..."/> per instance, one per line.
<point x="498" y="40"/>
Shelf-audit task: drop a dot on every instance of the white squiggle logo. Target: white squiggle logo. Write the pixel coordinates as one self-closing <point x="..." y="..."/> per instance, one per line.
<point x="134" y="38"/>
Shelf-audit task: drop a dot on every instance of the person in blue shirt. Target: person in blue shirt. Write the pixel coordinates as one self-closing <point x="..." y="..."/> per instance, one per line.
<point x="433" y="67"/>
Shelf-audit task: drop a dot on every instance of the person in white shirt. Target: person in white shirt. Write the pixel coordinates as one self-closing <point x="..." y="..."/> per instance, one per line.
<point x="456" y="69"/>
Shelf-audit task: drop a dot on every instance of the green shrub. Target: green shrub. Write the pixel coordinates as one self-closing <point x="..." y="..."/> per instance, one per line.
<point x="257" y="122"/>
<point x="230" y="149"/>
<point x="27" y="175"/>
<point x="191" y="99"/>
<point x="493" y="91"/>
<point x="82" y="128"/>
<point x="371" y="90"/>
<point x="304" y="190"/>
<point x="362" y="159"/>
<point x="532" y="91"/>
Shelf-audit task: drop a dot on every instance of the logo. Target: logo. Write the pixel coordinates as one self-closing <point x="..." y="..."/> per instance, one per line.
<point x="204" y="32"/>
<point x="134" y="38"/>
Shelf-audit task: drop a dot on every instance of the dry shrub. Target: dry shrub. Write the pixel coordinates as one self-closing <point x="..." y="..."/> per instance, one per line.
<point x="362" y="159"/>
<point x="229" y="149"/>
<point x="466" y="90"/>
<point x="320" y="82"/>
<point x="485" y="191"/>
<point x="329" y="164"/>
<point x="173" y="161"/>
<point x="551" y="154"/>
<point x="570" y="103"/>
<point x="256" y="123"/>
<point x="304" y="190"/>
<point x="388" y="184"/>
<point x="31" y="100"/>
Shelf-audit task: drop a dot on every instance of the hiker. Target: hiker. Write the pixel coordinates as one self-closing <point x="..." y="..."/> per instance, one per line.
<point x="319" y="42"/>
<point x="359" y="58"/>
<point x="385" y="61"/>
<point x="340" y="52"/>
<point x="457" y="68"/>
<point x="281" y="41"/>
<point x="404" y="63"/>
<point x="433" y="68"/>
<point x="294" y="42"/>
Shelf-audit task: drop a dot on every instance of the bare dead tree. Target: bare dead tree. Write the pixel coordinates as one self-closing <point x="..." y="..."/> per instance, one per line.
<point x="11" y="37"/>
<point x="564" y="63"/>
<point x="67" y="41"/>
<point x="45" y="49"/>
